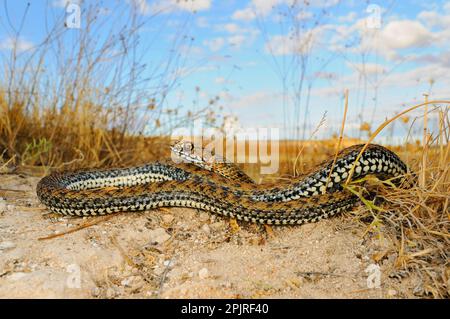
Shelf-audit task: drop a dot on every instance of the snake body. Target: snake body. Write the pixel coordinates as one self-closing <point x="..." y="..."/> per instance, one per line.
<point x="219" y="188"/>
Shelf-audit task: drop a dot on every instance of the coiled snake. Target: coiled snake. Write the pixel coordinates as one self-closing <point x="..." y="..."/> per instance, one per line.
<point x="219" y="188"/>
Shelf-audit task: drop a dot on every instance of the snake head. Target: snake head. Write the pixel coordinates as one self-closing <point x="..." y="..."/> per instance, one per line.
<point x="181" y="148"/>
<point x="187" y="151"/>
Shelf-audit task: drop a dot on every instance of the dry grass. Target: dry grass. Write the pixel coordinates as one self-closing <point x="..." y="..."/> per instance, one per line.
<point x="85" y="98"/>
<point x="417" y="219"/>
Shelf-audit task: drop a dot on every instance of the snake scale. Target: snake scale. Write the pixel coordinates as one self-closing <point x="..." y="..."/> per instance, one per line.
<point x="219" y="188"/>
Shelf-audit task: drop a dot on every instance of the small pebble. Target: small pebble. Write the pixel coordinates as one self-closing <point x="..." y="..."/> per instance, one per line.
<point x="203" y="273"/>
<point x="95" y="292"/>
<point x="110" y="293"/>
<point x="5" y="245"/>
<point x="127" y="282"/>
<point x="167" y="263"/>
<point x="204" y="217"/>
<point x="205" y="229"/>
<point x="17" y="276"/>
<point x="392" y="292"/>
<point x="2" y="205"/>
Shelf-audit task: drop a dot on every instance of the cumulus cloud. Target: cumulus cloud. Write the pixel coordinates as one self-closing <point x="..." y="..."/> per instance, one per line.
<point x="434" y="19"/>
<point x="301" y="43"/>
<point x="236" y="34"/>
<point x="193" y="5"/>
<point x="388" y="41"/>
<point x="64" y="3"/>
<point x="404" y="34"/>
<point x="231" y="27"/>
<point x="167" y="6"/>
<point x="265" y="7"/>
<point x="246" y="14"/>
<point x="19" y="44"/>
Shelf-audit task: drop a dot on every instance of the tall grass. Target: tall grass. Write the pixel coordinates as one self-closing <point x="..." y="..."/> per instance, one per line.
<point x="83" y="97"/>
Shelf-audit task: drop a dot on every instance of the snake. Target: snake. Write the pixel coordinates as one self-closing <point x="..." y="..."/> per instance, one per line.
<point x="219" y="187"/>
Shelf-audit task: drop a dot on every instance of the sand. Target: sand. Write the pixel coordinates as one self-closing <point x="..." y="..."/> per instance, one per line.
<point x="185" y="253"/>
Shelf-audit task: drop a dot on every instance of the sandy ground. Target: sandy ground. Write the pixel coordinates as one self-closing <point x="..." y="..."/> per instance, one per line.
<point x="184" y="253"/>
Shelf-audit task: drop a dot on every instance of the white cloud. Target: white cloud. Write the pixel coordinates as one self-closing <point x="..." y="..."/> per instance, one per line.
<point x="193" y="5"/>
<point x="405" y="34"/>
<point x="246" y="14"/>
<point x="236" y="40"/>
<point x="265" y="7"/>
<point x="231" y="27"/>
<point x="435" y="19"/>
<point x="388" y="41"/>
<point x="215" y="44"/>
<point x="238" y="35"/>
<point x="256" y="8"/>
<point x="294" y="43"/>
<point x="323" y="3"/>
<point x="368" y="68"/>
<point x="418" y="78"/>
<point x="167" y="6"/>
<point x="64" y="3"/>
<point x="442" y="59"/>
<point x="20" y="44"/>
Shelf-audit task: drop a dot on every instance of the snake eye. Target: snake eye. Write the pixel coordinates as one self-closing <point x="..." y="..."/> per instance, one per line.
<point x="188" y="147"/>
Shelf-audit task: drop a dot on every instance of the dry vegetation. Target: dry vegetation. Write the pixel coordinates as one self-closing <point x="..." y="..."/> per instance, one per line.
<point x="83" y="97"/>
<point x="70" y="121"/>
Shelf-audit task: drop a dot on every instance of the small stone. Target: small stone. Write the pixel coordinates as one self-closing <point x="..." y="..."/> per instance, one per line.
<point x="203" y="273"/>
<point x="419" y="290"/>
<point x="205" y="229"/>
<point x="17" y="276"/>
<point x="96" y="292"/>
<point x="5" y="245"/>
<point x="392" y="292"/>
<point x="2" y="205"/>
<point x="126" y="282"/>
<point x="167" y="218"/>
<point x="167" y="263"/>
<point x="204" y="217"/>
<point x="110" y="293"/>
<point x="158" y="236"/>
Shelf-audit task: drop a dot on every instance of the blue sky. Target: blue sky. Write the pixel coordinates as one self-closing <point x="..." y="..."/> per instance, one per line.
<point x="386" y="53"/>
